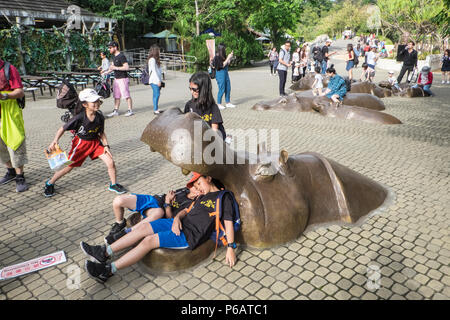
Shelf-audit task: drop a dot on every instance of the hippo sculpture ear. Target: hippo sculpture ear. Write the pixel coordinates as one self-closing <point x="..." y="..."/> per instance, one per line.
<point x="283" y="157"/>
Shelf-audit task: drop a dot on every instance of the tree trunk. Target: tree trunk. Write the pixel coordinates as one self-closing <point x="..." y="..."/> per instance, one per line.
<point x="123" y="35"/>
<point x="197" y="23"/>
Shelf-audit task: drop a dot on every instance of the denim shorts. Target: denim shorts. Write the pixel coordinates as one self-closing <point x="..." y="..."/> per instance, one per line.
<point x="168" y="239"/>
<point x="350" y="65"/>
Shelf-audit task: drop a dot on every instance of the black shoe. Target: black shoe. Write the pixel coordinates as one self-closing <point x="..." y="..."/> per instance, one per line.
<point x="49" y="190"/>
<point x="116" y="227"/>
<point x="98" y="253"/>
<point x="9" y="176"/>
<point x="113" y="237"/>
<point x="21" y="185"/>
<point x="117" y="188"/>
<point x="98" y="271"/>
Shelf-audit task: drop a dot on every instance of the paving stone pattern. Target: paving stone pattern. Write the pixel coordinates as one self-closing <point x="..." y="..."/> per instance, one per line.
<point x="408" y="242"/>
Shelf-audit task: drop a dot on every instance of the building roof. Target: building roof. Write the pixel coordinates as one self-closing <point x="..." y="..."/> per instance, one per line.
<point x="48" y="9"/>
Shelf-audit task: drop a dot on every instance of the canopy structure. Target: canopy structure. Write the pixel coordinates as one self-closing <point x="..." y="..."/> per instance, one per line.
<point x="148" y="35"/>
<point x="164" y="39"/>
<point x="262" y="39"/>
<point x="166" y="34"/>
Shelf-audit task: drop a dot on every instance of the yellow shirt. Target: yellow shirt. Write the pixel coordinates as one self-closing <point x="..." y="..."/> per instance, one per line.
<point x="12" y="128"/>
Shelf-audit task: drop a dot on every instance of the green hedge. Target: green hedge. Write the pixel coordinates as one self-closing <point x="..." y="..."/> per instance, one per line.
<point x="244" y="45"/>
<point x="47" y="50"/>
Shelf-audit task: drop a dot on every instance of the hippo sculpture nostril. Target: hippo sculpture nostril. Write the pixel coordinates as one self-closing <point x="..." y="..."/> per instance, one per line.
<point x="279" y="196"/>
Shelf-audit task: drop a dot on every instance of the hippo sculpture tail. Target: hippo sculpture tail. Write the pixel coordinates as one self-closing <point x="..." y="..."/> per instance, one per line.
<point x="279" y="195"/>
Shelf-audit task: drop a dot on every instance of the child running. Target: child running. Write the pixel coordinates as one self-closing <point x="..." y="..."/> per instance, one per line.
<point x="318" y="82"/>
<point x="89" y="140"/>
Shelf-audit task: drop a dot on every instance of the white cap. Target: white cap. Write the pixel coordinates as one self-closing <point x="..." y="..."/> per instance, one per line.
<point x="89" y="95"/>
<point x="328" y="40"/>
<point x="390" y="71"/>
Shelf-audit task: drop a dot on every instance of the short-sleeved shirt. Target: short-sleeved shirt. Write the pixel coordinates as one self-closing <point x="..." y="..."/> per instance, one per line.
<point x="371" y="58"/>
<point x="319" y="79"/>
<point x="324" y="52"/>
<point x="210" y="115"/>
<point x="84" y="128"/>
<point x="198" y="225"/>
<point x="286" y="57"/>
<point x="180" y="202"/>
<point x="119" y="61"/>
<point x="15" y="82"/>
<point x="105" y="64"/>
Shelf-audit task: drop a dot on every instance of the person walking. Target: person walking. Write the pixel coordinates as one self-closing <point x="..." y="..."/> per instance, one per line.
<point x="409" y="55"/>
<point x="13" y="151"/>
<point x="104" y="68"/>
<point x="121" y="85"/>
<point x="154" y="70"/>
<point x="222" y="77"/>
<point x="283" y="65"/>
<point x="446" y="66"/>
<point x="273" y="58"/>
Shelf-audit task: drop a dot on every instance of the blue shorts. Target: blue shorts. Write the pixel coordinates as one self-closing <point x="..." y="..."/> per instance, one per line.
<point x="168" y="239"/>
<point x="144" y="202"/>
<point x="350" y="65"/>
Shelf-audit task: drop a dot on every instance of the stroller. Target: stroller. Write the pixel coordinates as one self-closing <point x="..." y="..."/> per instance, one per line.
<point x="67" y="98"/>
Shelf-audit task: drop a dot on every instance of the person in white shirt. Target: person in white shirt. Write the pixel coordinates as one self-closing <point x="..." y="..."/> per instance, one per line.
<point x="371" y="60"/>
<point x="154" y="71"/>
<point x="318" y="82"/>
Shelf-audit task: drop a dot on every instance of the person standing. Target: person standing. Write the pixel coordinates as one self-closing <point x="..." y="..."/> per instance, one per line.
<point x="304" y="54"/>
<point x="154" y="70"/>
<point x="121" y="86"/>
<point x="222" y="77"/>
<point x="283" y="65"/>
<point x="371" y="58"/>
<point x="104" y="68"/>
<point x="350" y="61"/>
<point x="13" y="151"/>
<point x="409" y="55"/>
<point x="296" y="65"/>
<point x="273" y="58"/>
<point x="446" y="66"/>
<point x="326" y="55"/>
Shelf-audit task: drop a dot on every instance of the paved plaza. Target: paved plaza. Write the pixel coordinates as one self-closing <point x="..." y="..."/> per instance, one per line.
<point x="402" y="252"/>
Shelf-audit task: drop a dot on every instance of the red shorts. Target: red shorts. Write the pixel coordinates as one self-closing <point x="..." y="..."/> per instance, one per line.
<point x="81" y="149"/>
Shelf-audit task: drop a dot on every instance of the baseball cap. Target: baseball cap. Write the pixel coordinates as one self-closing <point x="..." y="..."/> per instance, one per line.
<point x="195" y="177"/>
<point x="113" y="44"/>
<point x="391" y="72"/>
<point x="328" y="40"/>
<point x="89" y="95"/>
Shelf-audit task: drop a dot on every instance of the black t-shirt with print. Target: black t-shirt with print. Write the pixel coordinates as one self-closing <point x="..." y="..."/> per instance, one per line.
<point x="210" y="115"/>
<point x="119" y="61"/>
<point x="198" y="225"/>
<point x="180" y="202"/>
<point x="84" y="128"/>
<point x="324" y="52"/>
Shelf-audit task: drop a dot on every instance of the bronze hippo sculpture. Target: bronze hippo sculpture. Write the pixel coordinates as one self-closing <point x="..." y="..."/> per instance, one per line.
<point x="279" y="195"/>
<point x="306" y="82"/>
<point x="348" y="110"/>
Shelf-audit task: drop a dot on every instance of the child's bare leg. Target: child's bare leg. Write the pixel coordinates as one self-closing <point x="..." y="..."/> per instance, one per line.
<point x="108" y="160"/>
<point x="120" y="203"/>
<point x="153" y="214"/>
<point x="132" y="237"/>
<point x="58" y="174"/>
<point x="149" y="243"/>
<point x="319" y="90"/>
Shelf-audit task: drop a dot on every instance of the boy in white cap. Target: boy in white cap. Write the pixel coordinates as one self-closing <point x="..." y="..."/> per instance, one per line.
<point x="89" y="140"/>
<point x="393" y="81"/>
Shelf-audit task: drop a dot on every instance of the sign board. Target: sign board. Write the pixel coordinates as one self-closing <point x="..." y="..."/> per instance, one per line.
<point x="211" y="45"/>
<point x="33" y="265"/>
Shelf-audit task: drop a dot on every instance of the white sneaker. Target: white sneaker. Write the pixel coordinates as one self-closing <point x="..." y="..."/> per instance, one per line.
<point x="221" y="107"/>
<point x="112" y="114"/>
<point x="129" y="113"/>
<point x="230" y="105"/>
<point x="448" y="82"/>
<point x="443" y="81"/>
<point x="156" y="112"/>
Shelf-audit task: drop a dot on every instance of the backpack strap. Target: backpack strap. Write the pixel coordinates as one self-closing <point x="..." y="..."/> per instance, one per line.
<point x="219" y="226"/>
<point x="6" y="68"/>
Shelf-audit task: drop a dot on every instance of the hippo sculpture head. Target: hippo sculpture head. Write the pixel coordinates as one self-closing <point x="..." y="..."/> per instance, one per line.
<point x="306" y="82"/>
<point x="279" y="195"/>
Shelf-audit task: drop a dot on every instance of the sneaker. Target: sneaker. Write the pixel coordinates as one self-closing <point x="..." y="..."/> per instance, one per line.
<point x="114" y="113"/>
<point x="9" y="176"/>
<point x="156" y="112"/>
<point x="448" y="82"/>
<point x="21" y="185"/>
<point x="97" y="253"/>
<point x="98" y="271"/>
<point x="443" y="81"/>
<point x="116" y="227"/>
<point x="113" y="237"/>
<point x="117" y="188"/>
<point x="49" y="190"/>
<point x="230" y="105"/>
<point x="129" y="113"/>
<point x="221" y="107"/>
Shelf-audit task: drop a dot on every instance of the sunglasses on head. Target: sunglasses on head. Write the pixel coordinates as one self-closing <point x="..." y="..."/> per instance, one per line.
<point x="196" y="90"/>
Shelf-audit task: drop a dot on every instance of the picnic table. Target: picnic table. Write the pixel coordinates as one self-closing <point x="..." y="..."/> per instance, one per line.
<point x="75" y="77"/>
<point x="38" y="82"/>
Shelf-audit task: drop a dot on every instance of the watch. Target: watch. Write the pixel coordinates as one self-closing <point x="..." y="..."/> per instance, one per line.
<point x="232" y="245"/>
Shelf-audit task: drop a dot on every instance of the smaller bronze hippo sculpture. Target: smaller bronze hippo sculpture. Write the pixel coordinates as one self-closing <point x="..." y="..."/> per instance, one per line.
<point x="279" y="195"/>
<point x="306" y="83"/>
<point x="407" y="90"/>
<point x="306" y="102"/>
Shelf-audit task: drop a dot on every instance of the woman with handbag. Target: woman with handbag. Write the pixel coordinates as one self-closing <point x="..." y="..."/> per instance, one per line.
<point x="155" y="78"/>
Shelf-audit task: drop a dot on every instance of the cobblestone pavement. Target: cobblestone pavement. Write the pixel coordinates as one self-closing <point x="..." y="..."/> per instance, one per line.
<point x="408" y="242"/>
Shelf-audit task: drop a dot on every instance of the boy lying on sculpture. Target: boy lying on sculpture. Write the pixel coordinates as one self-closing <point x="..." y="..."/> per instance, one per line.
<point x="190" y="228"/>
<point x="153" y="207"/>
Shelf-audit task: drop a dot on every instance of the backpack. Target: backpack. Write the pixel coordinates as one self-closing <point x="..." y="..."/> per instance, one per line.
<point x="103" y="89"/>
<point x="348" y="84"/>
<point x="67" y="98"/>
<point x="317" y="53"/>
<point x="145" y="76"/>
<point x="6" y="67"/>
